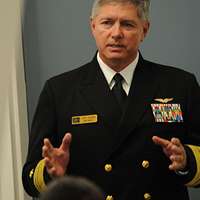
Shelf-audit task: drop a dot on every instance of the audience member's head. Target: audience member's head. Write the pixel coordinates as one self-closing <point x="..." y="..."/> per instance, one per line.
<point x="72" y="188"/>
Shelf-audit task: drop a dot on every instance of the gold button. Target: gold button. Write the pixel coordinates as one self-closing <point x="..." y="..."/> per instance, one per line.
<point x="147" y="196"/>
<point x="109" y="197"/>
<point x="108" y="167"/>
<point x="145" y="164"/>
<point x="31" y="173"/>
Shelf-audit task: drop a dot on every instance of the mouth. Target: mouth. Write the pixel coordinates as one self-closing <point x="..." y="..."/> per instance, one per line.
<point x="117" y="46"/>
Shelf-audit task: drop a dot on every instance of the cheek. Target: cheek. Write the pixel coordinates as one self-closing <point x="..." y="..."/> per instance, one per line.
<point x="101" y="38"/>
<point x="101" y="31"/>
<point x="134" y="39"/>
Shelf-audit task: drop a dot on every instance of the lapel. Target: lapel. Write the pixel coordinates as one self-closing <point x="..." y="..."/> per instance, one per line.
<point x="97" y="93"/>
<point x="142" y="91"/>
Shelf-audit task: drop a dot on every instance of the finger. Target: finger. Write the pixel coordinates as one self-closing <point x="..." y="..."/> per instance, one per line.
<point x="52" y="172"/>
<point x="178" y="163"/>
<point x="175" y="158"/>
<point x="66" y="142"/>
<point x="176" y="142"/>
<point x="48" y="163"/>
<point x="48" y="144"/>
<point x="160" y="141"/>
<point x="47" y="148"/>
<point x="45" y="152"/>
<point x="177" y="150"/>
<point x="172" y="149"/>
<point x="174" y="166"/>
<point x="167" y="150"/>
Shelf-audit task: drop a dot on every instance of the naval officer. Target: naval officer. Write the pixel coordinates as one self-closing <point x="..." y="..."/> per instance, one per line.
<point x="129" y="125"/>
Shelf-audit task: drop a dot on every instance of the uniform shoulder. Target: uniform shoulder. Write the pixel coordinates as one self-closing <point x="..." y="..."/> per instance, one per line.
<point x="68" y="80"/>
<point x="169" y="71"/>
<point x="74" y="74"/>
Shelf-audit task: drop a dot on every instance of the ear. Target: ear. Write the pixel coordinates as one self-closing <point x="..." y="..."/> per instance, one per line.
<point x="92" y="25"/>
<point x="146" y="26"/>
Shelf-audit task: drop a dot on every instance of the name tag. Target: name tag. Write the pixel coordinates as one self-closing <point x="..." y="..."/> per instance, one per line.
<point x="84" y="119"/>
<point x="167" y="112"/>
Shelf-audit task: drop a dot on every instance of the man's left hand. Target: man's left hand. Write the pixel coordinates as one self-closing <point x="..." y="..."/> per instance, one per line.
<point x="174" y="150"/>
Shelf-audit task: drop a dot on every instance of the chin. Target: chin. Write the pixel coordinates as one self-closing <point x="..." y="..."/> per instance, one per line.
<point x="113" y="56"/>
<point x="116" y="55"/>
<point x="117" y="58"/>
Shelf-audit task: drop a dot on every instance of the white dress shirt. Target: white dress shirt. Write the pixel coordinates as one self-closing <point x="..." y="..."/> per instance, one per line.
<point x="127" y="73"/>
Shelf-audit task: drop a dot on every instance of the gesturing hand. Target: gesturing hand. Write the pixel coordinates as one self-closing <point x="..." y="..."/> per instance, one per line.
<point x="56" y="159"/>
<point x="174" y="150"/>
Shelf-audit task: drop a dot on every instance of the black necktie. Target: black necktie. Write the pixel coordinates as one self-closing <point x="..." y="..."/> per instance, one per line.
<point x="118" y="90"/>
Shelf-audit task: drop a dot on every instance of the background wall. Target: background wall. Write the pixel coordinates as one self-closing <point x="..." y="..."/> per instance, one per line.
<point x="13" y="109"/>
<point x="57" y="38"/>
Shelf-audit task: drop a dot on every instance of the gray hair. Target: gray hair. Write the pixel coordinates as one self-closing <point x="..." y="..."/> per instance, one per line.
<point x="142" y="5"/>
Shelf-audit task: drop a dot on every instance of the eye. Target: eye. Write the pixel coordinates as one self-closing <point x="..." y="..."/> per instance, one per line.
<point x="107" y="22"/>
<point x="127" y="24"/>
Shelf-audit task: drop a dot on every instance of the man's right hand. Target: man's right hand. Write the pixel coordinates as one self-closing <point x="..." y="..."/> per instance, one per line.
<point x="57" y="159"/>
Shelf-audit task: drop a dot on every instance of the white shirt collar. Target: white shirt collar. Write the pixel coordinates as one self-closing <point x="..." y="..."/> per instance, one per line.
<point x="127" y="73"/>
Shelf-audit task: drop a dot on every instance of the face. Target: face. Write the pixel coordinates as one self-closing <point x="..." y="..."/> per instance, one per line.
<point x="118" y="32"/>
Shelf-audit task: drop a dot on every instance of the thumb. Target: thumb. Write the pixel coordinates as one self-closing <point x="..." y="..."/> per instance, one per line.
<point x="66" y="142"/>
<point x="160" y="141"/>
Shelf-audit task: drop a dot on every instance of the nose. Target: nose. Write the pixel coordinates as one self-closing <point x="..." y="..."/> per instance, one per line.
<point x="117" y="32"/>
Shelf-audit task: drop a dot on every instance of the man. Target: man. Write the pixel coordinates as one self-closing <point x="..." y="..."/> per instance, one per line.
<point x="72" y="188"/>
<point x="128" y="124"/>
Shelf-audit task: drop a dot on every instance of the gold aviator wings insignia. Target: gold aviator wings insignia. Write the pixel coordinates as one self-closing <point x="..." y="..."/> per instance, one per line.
<point x="166" y="100"/>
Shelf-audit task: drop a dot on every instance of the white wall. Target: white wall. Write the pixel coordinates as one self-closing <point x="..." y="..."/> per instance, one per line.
<point x="13" y="113"/>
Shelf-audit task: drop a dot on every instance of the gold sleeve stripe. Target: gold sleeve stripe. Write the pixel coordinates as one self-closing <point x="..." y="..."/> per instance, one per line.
<point x="38" y="177"/>
<point x="196" y="180"/>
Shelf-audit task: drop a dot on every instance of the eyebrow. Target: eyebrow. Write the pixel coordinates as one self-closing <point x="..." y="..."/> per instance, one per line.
<point x="106" y="18"/>
<point x="122" y="20"/>
<point x="128" y="20"/>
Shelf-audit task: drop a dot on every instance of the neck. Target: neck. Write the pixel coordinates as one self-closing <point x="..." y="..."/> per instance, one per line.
<point x="118" y="65"/>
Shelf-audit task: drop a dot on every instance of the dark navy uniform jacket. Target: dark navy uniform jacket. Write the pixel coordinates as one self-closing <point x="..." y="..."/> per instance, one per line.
<point x="114" y="148"/>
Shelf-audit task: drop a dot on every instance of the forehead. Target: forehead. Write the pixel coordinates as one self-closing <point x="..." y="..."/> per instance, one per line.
<point x="119" y="10"/>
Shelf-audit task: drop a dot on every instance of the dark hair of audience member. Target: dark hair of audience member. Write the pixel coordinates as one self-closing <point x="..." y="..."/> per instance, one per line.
<point x="72" y="188"/>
